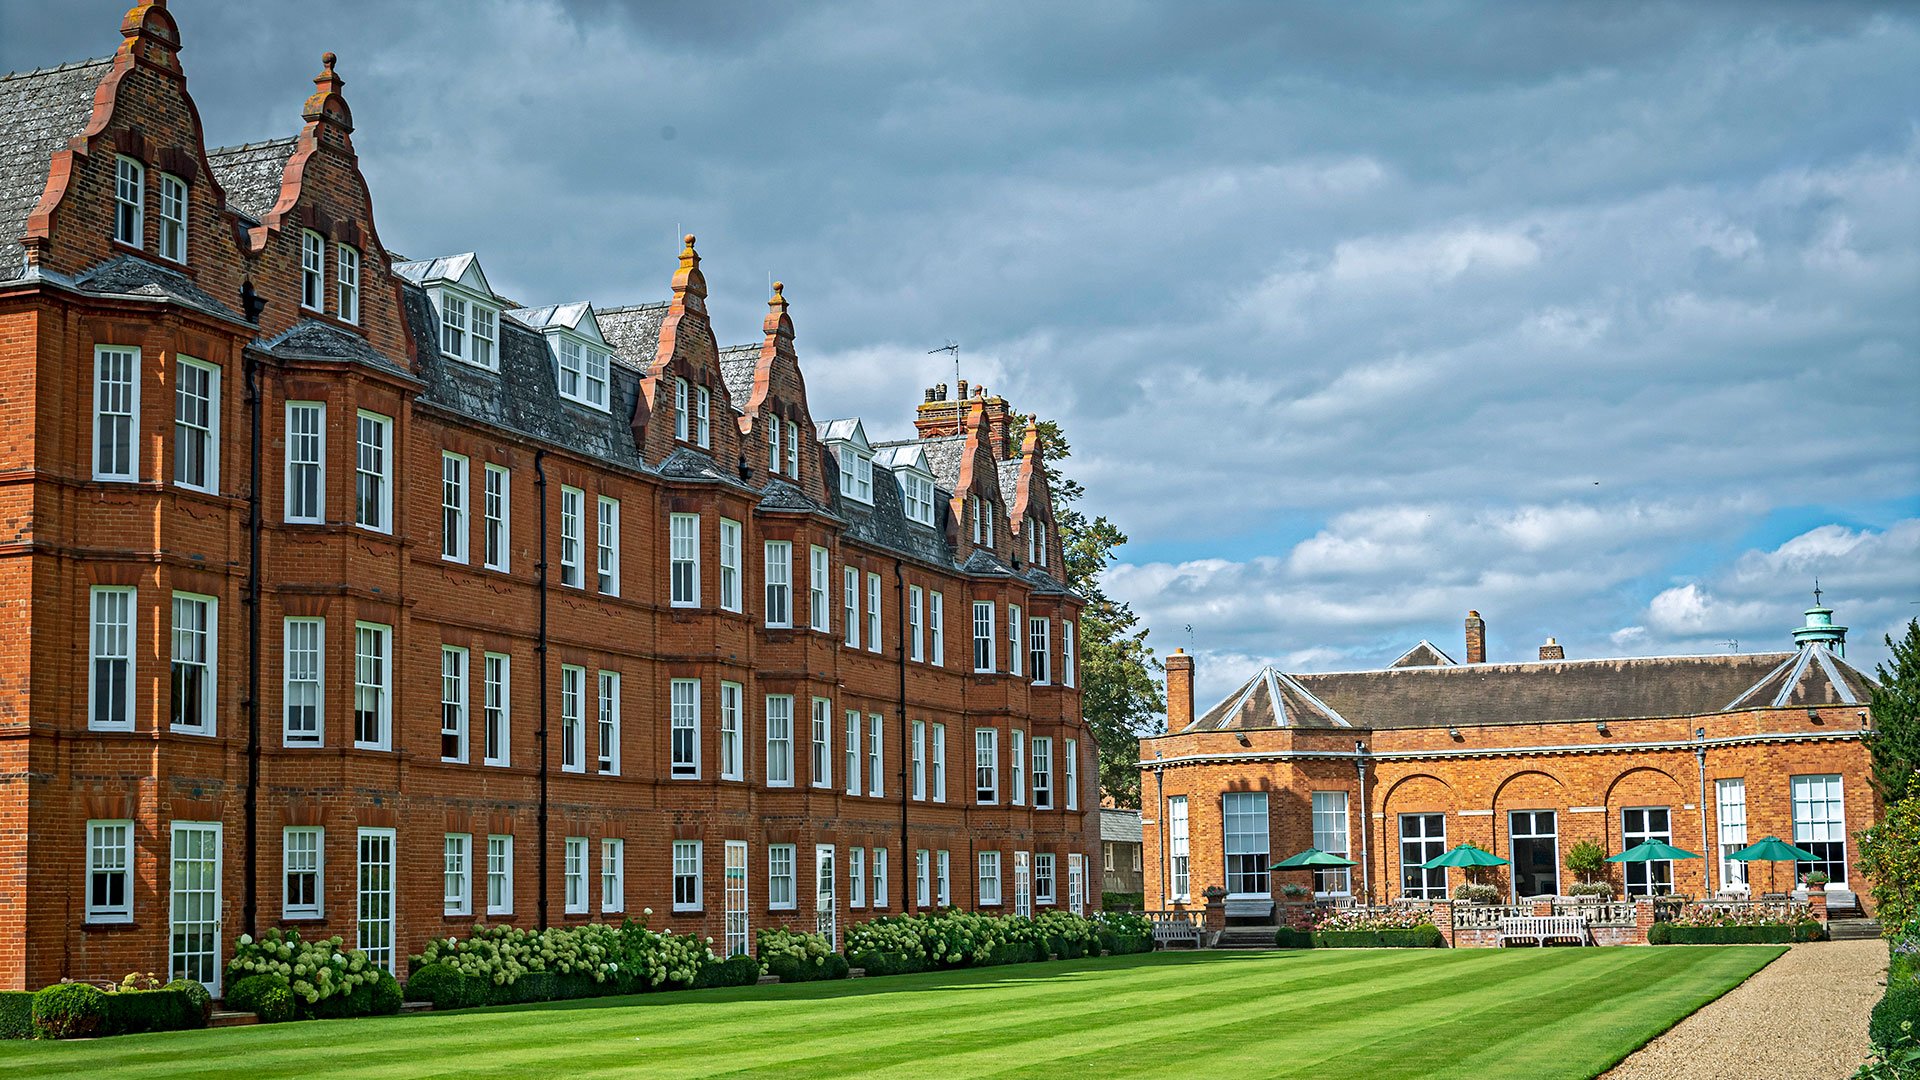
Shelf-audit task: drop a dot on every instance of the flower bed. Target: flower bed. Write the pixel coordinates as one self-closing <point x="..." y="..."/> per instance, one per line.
<point x="1894" y="1025"/>
<point x="282" y="976"/>
<point x="1390" y="928"/>
<point x="1742" y="924"/>
<point x="503" y="965"/>
<point x="796" y="956"/>
<point x="897" y="944"/>
<point x="78" y="1010"/>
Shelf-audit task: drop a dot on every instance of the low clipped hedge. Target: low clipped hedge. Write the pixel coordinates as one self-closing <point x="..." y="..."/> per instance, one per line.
<point x="448" y="988"/>
<point x="799" y="969"/>
<point x="16" y="1014"/>
<point x="69" y="1011"/>
<point x="271" y="997"/>
<point x="1775" y="934"/>
<point x="1288" y="938"/>
<point x="1419" y="937"/>
<point x="742" y="970"/>
<point x="169" y="1008"/>
<point x="938" y="940"/>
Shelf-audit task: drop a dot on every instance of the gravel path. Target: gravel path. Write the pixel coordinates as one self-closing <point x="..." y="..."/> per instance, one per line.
<point x="1802" y="1017"/>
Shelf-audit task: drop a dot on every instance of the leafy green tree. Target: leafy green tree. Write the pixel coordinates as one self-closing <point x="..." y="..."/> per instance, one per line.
<point x="1890" y="856"/>
<point x="1121" y="693"/>
<point x="1895" y="743"/>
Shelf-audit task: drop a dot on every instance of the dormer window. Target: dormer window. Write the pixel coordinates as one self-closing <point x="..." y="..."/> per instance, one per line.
<point x="583" y="373"/>
<point x="485" y="332"/>
<point x="982" y="520"/>
<point x="917" y="492"/>
<point x="704" y="417"/>
<point x="680" y="409"/>
<point x="1037" y="543"/>
<point x="773" y="445"/>
<point x="469" y="330"/>
<point x="347" y="272"/>
<point x="313" y="270"/>
<point x="453" y="326"/>
<point x="793" y="450"/>
<point x="173" y="218"/>
<point x="129" y="200"/>
<point x="856" y="475"/>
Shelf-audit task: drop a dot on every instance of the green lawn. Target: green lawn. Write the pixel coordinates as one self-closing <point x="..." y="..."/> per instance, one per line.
<point x="1534" y="1013"/>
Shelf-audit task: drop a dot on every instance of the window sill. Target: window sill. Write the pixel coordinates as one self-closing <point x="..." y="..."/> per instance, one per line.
<point x="93" y="926"/>
<point x="452" y="916"/>
<point x="302" y="920"/>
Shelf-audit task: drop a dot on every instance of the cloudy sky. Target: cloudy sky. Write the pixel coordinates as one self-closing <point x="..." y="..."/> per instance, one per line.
<point x="1603" y="319"/>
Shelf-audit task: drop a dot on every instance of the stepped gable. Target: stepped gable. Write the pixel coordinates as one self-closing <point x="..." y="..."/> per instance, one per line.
<point x="40" y="111"/>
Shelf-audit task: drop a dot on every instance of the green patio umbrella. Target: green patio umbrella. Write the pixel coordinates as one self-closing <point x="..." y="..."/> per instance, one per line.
<point x="1652" y="851"/>
<point x="1772" y="849"/>
<point x="1468" y="855"/>
<point x="1310" y="858"/>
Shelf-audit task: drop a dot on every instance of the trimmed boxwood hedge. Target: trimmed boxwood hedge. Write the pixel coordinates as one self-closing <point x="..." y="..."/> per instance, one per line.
<point x="168" y="1009"/>
<point x="1288" y="938"/>
<point x="16" y="1014"/>
<point x="69" y="1011"/>
<point x="1781" y="934"/>
<point x="793" y="969"/>
<point x="447" y="988"/>
<point x="741" y="970"/>
<point x="1901" y="1003"/>
<point x="1419" y="937"/>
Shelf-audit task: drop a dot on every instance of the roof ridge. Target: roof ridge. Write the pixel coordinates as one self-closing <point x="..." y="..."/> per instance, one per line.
<point x="1782" y="653"/>
<point x="68" y="66"/>
<point x="642" y="306"/>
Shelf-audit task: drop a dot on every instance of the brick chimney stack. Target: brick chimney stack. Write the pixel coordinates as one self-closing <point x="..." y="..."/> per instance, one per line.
<point x="1552" y="651"/>
<point x="999" y="422"/>
<point x="1476" y="638"/>
<point x="1179" y="690"/>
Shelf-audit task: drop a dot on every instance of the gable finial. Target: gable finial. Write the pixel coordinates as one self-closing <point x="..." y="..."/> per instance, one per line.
<point x="327" y="104"/>
<point x="1816" y="592"/>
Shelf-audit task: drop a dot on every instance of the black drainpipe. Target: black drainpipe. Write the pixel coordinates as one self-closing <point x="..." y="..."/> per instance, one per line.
<point x="907" y="895"/>
<point x="248" y="913"/>
<point x="540" y="660"/>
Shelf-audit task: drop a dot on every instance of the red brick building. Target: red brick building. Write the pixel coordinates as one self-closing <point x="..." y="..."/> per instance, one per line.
<point x="339" y="592"/>
<point x="1393" y="767"/>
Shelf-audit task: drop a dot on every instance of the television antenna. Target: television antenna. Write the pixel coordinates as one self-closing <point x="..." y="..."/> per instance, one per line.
<point x="951" y="347"/>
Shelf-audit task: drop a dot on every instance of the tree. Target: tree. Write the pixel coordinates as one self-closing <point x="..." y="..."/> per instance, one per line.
<point x="1890" y="857"/>
<point x="1894" y="745"/>
<point x="1121" y="694"/>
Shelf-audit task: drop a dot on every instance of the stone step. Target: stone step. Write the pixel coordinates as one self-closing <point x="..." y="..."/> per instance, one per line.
<point x="1853" y="929"/>
<point x="229" y="1018"/>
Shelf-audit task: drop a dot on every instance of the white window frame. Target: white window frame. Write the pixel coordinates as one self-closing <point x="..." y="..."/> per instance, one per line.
<point x="496" y="708"/>
<point x="1045" y="882"/>
<point x="300" y="442"/>
<point x="1820" y="817"/>
<point x="573" y="876"/>
<point x="986" y="766"/>
<point x="793" y="450"/>
<point x="453" y="703"/>
<point x="850" y="604"/>
<point x="607" y="741"/>
<point x="194" y="910"/>
<point x="188" y="430"/>
<point x="123" y="420"/>
<point x="684" y="716"/>
<point x="822" y="742"/>
<point x="985" y="631"/>
<point x="346" y="276"/>
<point x="113" y="611"/>
<point x="313" y="271"/>
<point x="456" y="874"/>
<point x="613" y="875"/>
<point x="989" y="879"/>
<point x="733" y="752"/>
<point x="683" y="560"/>
<point x="876" y="755"/>
<point x="483" y="336"/>
<point x="573" y="718"/>
<point x="1248" y="809"/>
<point x="607" y="548"/>
<point x="873" y="613"/>
<point x="779" y="726"/>
<point x="497" y="511"/>
<point x="730" y="576"/>
<point x="1730" y="822"/>
<point x="856" y="877"/>
<point x="853" y="751"/>
<point x="922" y="878"/>
<point x="1042" y="750"/>
<point x="939" y="776"/>
<point x="1070" y="767"/>
<point x="453" y="325"/>
<point x="1039" y="646"/>
<point x="688" y="855"/>
<point x="916" y="639"/>
<point x="374" y="895"/>
<point x="454" y="522"/>
<point x="208" y="636"/>
<point x="819" y="579"/>
<point x="782" y="877"/>
<point x="292" y="862"/>
<point x="380" y="472"/>
<point x="777" y="572"/>
<point x="499" y="874"/>
<point x="109" y="851"/>
<point x="1016" y="767"/>
<point x="1180" y="868"/>
<point x="303" y="682"/>
<point x="1068" y="659"/>
<point x="129" y="201"/>
<point x="1331" y="833"/>
<point x="1014" y="650"/>
<point x="877" y="860"/>
<point x="937" y="628"/>
<point x="383" y="703"/>
<point x="573" y="508"/>
<point x="681" y="420"/>
<point x="703" y="416"/>
<point x="943" y="877"/>
<point x="919" y="768"/>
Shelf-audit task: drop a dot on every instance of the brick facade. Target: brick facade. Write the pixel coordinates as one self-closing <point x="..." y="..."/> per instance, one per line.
<point x="64" y="532"/>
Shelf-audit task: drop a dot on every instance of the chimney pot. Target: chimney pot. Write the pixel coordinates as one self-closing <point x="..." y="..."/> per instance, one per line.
<point x="963" y="389"/>
<point x="1179" y="690"/>
<point x="1476" y="638"/>
<point x="1552" y="651"/>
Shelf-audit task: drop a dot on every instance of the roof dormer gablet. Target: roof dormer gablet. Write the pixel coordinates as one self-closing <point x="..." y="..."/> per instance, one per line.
<point x="581" y="356"/>
<point x="908" y="463"/>
<point x="468" y="309"/>
<point x="848" y="441"/>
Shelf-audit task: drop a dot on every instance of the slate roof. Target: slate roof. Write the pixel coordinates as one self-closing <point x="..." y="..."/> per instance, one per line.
<point x="1009" y="470"/>
<point x="885" y="523"/>
<point x="1119" y="826"/>
<point x="251" y="173"/>
<point x="310" y="339"/>
<point x="737" y="364"/>
<point x="567" y="315"/>
<point x="131" y="275"/>
<point x="39" y="111"/>
<point x="633" y="331"/>
<point x="943" y="457"/>
<point x="1542" y="692"/>
<point x="1425" y="654"/>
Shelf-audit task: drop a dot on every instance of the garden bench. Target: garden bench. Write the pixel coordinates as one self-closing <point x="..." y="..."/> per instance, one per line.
<point x="1168" y="931"/>
<point x="1541" y="929"/>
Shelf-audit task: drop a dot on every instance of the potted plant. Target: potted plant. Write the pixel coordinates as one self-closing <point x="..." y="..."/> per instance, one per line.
<point x="1588" y="859"/>
<point x="1816" y="879"/>
<point x="1295" y="893"/>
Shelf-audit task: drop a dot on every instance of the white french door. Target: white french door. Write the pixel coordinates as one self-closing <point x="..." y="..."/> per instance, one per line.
<point x="194" y="919"/>
<point x="374" y="929"/>
<point x="736" y="897"/>
<point x="823" y="895"/>
<point x="1022" y="885"/>
<point x="1077" y="884"/>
